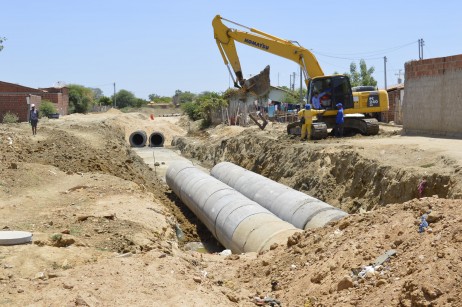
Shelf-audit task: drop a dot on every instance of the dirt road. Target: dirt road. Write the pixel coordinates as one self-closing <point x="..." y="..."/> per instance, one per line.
<point x="104" y="225"/>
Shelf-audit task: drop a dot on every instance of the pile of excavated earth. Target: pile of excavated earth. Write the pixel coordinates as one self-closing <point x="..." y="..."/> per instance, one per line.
<point x="108" y="231"/>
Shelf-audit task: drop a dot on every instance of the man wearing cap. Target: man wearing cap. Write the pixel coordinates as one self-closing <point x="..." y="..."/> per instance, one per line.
<point x="33" y="118"/>
<point x="339" y="121"/>
<point x="306" y="118"/>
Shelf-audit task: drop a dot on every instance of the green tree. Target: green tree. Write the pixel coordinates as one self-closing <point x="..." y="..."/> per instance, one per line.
<point x="140" y="102"/>
<point x="209" y="102"/>
<point x="105" y="101"/>
<point x="203" y="106"/>
<point x="363" y="76"/>
<point x="184" y="97"/>
<point x="47" y="108"/>
<point x="125" y="99"/>
<point x="153" y="97"/>
<point x="80" y="98"/>
<point x="192" y="110"/>
<point x="230" y="92"/>
<point x="159" y="99"/>
<point x="97" y="93"/>
<point x="2" y="39"/>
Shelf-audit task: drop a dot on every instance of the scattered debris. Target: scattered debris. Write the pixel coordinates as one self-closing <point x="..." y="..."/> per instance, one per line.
<point x="423" y="223"/>
<point x="384" y="257"/>
<point x="226" y="252"/>
<point x="259" y="301"/>
<point x="179" y="233"/>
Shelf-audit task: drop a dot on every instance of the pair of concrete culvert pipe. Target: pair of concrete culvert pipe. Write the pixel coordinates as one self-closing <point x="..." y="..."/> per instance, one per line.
<point x="297" y="208"/>
<point x="238" y="223"/>
<point x="139" y="139"/>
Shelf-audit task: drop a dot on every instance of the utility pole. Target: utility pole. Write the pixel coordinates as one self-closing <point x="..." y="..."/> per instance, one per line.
<point x="385" y="70"/>
<point x="292" y="86"/>
<point x="421" y="44"/>
<point x="115" y="102"/>
<point x="399" y="76"/>
<point x="301" y="92"/>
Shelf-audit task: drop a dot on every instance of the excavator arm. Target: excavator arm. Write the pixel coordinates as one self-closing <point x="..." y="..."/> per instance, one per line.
<point x="226" y="37"/>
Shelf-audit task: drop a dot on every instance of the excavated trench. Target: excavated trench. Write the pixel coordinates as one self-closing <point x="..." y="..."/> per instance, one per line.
<point x="337" y="175"/>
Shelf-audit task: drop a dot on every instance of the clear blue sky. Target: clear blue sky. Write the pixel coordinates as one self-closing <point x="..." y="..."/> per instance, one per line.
<point x="161" y="46"/>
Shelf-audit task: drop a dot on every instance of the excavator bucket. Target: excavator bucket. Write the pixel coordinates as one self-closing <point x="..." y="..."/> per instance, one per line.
<point x="259" y="84"/>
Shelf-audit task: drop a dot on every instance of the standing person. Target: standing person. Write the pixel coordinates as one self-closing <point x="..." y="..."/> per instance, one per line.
<point x="33" y="118"/>
<point x="339" y="121"/>
<point x="306" y="118"/>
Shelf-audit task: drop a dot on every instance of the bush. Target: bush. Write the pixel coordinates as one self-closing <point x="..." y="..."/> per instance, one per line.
<point x="192" y="110"/>
<point x="47" y="108"/>
<point x="10" y="118"/>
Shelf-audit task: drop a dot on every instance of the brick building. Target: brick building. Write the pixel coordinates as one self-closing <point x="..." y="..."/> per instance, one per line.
<point x="16" y="99"/>
<point x="433" y="96"/>
<point x="395" y="99"/>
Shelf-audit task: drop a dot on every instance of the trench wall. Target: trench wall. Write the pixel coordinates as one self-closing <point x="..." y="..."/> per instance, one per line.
<point x="343" y="178"/>
<point x="433" y="97"/>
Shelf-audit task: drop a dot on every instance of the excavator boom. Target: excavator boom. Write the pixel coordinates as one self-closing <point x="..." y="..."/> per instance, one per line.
<point x="225" y="38"/>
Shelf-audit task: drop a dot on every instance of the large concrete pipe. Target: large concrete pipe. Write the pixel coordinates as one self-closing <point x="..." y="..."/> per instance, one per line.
<point x="297" y="208"/>
<point x="138" y="139"/>
<point x="238" y="223"/>
<point x="156" y="139"/>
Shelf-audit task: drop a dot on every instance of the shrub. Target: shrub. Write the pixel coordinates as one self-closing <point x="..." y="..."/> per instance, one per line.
<point x="192" y="110"/>
<point x="10" y="118"/>
<point x="47" y="108"/>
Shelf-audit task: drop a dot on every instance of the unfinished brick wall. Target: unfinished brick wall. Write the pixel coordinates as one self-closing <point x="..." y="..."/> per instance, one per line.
<point x="59" y="96"/>
<point x="17" y="104"/>
<point x="394" y="113"/>
<point x="433" y="97"/>
<point x="13" y="98"/>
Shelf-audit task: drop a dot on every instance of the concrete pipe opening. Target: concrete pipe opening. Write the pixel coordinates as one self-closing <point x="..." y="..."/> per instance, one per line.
<point x="138" y="139"/>
<point x="156" y="139"/>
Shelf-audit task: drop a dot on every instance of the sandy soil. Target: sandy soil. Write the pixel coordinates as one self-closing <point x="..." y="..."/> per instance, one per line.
<point x="105" y="228"/>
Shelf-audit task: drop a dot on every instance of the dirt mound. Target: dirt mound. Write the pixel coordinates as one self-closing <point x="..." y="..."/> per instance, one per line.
<point x="334" y="266"/>
<point x="113" y="111"/>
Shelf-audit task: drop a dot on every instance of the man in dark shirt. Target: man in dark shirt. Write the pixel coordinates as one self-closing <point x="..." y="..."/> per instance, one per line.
<point x="33" y="119"/>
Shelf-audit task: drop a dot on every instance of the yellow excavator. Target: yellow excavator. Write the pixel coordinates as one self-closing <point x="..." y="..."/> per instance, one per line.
<point x="361" y="105"/>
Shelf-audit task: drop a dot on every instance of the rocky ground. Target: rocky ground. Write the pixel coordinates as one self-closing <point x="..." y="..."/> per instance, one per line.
<point x="106" y="228"/>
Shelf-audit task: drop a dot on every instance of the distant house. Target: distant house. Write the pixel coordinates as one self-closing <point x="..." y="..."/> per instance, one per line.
<point x="17" y="99"/>
<point x="239" y="106"/>
<point x="395" y="98"/>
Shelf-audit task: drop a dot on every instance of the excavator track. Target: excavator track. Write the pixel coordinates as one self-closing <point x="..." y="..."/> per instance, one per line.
<point x="318" y="130"/>
<point x="365" y="126"/>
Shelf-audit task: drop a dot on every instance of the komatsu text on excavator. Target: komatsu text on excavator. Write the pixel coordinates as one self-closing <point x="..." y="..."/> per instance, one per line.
<point x="359" y="105"/>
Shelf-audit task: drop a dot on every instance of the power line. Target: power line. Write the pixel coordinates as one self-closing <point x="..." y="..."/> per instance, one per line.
<point x="370" y="55"/>
<point x="345" y="58"/>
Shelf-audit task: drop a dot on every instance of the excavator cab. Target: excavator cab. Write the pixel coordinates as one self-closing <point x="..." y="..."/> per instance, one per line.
<point x="331" y="90"/>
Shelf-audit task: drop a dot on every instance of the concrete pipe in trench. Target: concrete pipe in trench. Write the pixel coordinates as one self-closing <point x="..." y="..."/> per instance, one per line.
<point x="138" y="139"/>
<point x="156" y="139"/>
<point x="297" y="208"/>
<point x="238" y="223"/>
